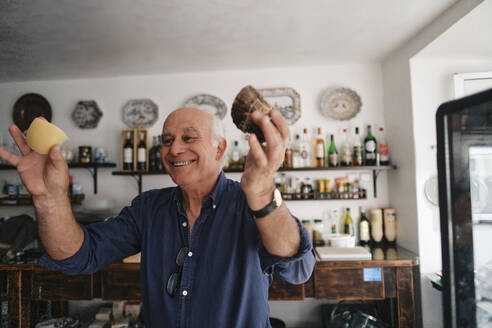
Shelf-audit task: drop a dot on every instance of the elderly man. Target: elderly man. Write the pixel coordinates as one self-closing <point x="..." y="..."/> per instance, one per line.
<point x="209" y="246"/>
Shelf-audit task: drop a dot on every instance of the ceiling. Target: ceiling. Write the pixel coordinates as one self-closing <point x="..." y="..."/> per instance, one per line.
<point x="53" y="39"/>
<point x="470" y="38"/>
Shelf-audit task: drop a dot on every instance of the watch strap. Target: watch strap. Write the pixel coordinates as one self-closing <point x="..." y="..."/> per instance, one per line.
<point x="265" y="210"/>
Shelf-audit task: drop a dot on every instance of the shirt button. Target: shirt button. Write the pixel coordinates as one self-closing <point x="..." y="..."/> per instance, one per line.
<point x="184" y="224"/>
<point x="185" y="293"/>
<point x="214" y="206"/>
<point x="190" y="254"/>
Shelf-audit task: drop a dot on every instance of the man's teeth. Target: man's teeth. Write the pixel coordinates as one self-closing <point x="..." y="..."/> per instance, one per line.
<point x="183" y="163"/>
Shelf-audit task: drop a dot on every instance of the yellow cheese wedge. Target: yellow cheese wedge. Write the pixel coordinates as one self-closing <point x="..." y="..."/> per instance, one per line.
<point x="42" y="135"/>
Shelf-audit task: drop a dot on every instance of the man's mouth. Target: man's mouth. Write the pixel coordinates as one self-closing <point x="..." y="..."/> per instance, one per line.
<point x="183" y="163"/>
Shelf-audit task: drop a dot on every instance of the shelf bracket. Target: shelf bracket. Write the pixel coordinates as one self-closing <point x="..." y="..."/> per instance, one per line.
<point x="375" y="174"/>
<point x="93" y="172"/>
<point x="138" y="178"/>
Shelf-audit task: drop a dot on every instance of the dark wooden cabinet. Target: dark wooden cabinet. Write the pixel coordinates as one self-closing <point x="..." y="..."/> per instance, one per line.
<point x="331" y="280"/>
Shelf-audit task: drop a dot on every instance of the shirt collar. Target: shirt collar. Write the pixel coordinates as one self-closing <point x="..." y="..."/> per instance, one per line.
<point x="212" y="198"/>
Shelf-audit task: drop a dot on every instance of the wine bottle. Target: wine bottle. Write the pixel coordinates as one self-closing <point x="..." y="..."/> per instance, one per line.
<point x="357" y="157"/>
<point x="158" y="159"/>
<point x="370" y="148"/>
<point x="128" y="152"/>
<point x="332" y="153"/>
<point x="383" y="148"/>
<point x="142" y="153"/>
<point x="348" y="223"/>
<point x="152" y="150"/>
<point x="319" y="146"/>
<point x="364" y="228"/>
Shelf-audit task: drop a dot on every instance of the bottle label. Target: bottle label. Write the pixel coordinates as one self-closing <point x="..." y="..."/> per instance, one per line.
<point x="333" y="159"/>
<point x="235" y="156"/>
<point x="364" y="231"/>
<point x="383" y="152"/>
<point x="320" y="151"/>
<point x="370" y="146"/>
<point x="128" y="155"/>
<point x="141" y="154"/>
<point x="304" y="154"/>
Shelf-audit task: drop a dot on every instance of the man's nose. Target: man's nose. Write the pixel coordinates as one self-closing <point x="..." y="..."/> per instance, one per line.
<point x="177" y="147"/>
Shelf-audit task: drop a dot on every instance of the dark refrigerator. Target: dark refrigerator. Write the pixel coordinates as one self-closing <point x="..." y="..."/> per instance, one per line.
<point x="464" y="158"/>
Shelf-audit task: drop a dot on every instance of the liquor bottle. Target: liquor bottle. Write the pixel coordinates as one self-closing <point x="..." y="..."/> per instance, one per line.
<point x="289" y="155"/>
<point x="142" y="153"/>
<point x="370" y="148"/>
<point x="364" y="228"/>
<point x="128" y="152"/>
<point x="296" y="153"/>
<point x="332" y="153"/>
<point x="346" y="159"/>
<point x="305" y="150"/>
<point x="383" y="148"/>
<point x="236" y="160"/>
<point x="319" y="146"/>
<point x="348" y="223"/>
<point x="357" y="156"/>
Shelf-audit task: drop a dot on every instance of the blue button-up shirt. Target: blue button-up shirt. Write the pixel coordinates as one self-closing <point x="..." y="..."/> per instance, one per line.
<point x="227" y="271"/>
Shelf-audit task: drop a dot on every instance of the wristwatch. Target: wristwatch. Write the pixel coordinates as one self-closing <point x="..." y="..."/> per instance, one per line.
<point x="272" y="206"/>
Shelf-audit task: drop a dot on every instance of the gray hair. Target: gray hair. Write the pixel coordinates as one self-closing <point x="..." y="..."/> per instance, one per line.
<point x="218" y="131"/>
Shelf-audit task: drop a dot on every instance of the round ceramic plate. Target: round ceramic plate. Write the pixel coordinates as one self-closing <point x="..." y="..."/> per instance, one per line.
<point x="140" y="113"/>
<point x="208" y="103"/>
<point x="431" y="190"/>
<point x="87" y="114"/>
<point x="28" y="107"/>
<point x="340" y="104"/>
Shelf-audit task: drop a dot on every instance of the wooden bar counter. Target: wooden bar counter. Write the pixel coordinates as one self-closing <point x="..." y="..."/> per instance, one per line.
<point x="29" y="286"/>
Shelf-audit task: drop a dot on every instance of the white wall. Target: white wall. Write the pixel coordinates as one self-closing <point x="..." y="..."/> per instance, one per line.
<point x="432" y="84"/>
<point x="170" y="91"/>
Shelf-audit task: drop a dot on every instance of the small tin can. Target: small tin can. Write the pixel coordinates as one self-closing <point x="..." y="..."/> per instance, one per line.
<point x="85" y="154"/>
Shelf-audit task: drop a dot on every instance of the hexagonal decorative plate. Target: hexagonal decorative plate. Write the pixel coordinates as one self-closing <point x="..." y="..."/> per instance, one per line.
<point x="87" y="114"/>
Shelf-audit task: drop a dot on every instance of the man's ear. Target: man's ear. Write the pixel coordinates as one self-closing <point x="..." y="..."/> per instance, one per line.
<point x="221" y="148"/>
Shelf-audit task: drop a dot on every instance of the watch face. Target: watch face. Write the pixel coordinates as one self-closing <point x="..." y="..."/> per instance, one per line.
<point x="277" y="197"/>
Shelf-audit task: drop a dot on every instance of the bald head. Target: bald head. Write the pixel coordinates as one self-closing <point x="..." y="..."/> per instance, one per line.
<point x="204" y="119"/>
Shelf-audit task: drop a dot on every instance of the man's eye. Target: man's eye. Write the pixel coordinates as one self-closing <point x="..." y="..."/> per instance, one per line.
<point x="189" y="139"/>
<point x="167" y="141"/>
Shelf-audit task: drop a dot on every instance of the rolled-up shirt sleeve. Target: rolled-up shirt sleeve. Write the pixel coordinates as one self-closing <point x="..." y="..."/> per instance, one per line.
<point x="104" y="243"/>
<point x="296" y="269"/>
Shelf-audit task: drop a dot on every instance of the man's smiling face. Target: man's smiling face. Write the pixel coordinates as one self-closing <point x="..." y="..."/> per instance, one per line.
<point x="188" y="150"/>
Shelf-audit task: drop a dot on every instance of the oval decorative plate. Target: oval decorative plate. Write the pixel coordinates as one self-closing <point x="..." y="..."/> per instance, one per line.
<point x="87" y="114"/>
<point x="140" y="113"/>
<point x="286" y="100"/>
<point x="340" y="104"/>
<point x="208" y="103"/>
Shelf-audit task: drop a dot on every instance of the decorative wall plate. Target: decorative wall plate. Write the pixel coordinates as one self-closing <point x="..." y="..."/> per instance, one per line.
<point x="208" y="103"/>
<point x="340" y="104"/>
<point x="286" y="100"/>
<point x="28" y="107"/>
<point x="140" y="113"/>
<point x="87" y="114"/>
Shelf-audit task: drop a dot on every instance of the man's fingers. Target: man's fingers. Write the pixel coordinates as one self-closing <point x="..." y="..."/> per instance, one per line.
<point x="270" y="131"/>
<point x="256" y="151"/>
<point x="56" y="158"/>
<point x="9" y="157"/>
<point x="19" y="139"/>
<point x="281" y="124"/>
